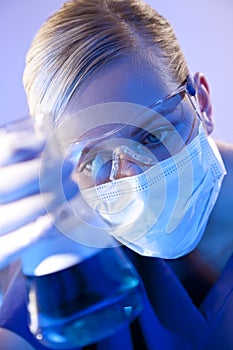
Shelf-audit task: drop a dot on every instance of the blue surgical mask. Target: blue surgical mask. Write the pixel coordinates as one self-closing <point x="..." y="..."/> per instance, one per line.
<point x="163" y="212"/>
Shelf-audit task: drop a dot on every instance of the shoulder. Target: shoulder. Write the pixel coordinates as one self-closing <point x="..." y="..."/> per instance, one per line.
<point x="226" y="150"/>
<point x="225" y="201"/>
<point x="217" y="242"/>
<point x="226" y="195"/>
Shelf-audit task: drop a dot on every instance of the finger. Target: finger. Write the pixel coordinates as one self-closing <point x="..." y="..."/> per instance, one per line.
<point x="16" y="214"/>
<point x="19" y="180"/>
<point x="17" y="147"/>
<point x="22" y="179"/>
<point x="14" y="243"/>
<point x="25" y="210"/>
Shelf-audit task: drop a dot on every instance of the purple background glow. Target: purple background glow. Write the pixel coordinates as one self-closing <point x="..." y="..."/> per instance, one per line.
<point x="204" y="29"/>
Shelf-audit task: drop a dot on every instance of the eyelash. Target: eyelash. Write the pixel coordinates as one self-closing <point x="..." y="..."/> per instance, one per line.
<point x="159" y="139"/>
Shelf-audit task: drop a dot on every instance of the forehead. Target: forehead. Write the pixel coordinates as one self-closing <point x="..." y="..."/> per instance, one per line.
<point x="123" y="80"/>
<point x="106" y="120"/>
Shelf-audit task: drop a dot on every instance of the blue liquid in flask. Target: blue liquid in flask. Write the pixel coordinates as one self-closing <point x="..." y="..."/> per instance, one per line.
<point x="85" y="302"/>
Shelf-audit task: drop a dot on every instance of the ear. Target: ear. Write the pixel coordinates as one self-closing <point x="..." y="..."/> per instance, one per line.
<point x="204" y="100"/>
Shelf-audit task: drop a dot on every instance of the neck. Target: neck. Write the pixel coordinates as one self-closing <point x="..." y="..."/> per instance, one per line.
<point x="217" y="242"/>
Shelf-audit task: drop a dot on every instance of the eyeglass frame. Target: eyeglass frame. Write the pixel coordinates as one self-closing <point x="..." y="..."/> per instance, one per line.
<point x="187" y="86"/>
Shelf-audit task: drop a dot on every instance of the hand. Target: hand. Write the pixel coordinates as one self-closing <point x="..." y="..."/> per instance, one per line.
<point x="23" y="217"/>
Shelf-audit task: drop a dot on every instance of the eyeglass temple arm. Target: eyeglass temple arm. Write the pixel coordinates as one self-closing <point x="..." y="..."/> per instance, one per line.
<point x="190" y="85"/>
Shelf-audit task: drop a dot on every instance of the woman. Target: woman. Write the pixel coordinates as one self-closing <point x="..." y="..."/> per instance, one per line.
<point x="104" y="52"/>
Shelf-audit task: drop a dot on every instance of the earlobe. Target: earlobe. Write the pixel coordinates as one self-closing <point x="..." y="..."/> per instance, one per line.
<point x="203" y="96"/>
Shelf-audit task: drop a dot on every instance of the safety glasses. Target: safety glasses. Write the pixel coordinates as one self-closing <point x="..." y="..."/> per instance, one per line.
<point x="136" y="138"/>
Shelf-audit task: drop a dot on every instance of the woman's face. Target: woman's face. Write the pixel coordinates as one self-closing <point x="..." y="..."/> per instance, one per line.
<point x="123" y="80"/>
<point x="134" y="136"/>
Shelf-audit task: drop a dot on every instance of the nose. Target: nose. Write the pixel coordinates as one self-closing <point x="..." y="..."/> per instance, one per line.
<point x="127" y="168"/>
<point x="128" y="162"/>
<point x="116" y="169"/>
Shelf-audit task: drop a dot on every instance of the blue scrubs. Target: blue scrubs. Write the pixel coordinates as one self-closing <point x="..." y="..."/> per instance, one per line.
<point x="170" y="320"/>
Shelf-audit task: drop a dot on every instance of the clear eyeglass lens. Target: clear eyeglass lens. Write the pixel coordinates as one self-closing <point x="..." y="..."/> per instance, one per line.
<point x="164" y="133"/>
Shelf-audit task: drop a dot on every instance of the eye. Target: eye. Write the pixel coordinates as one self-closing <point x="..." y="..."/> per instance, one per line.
<point x="94" y="161"/>
<point x="150" y="138"/>
<point x="85" y="167"/>
<point x="158" y="136"/>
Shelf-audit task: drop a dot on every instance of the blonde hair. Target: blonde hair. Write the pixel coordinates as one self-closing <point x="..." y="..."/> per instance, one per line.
<point x="85" y="35"/>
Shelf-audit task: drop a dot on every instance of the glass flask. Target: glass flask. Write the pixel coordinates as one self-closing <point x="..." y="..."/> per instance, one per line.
<point x="78" y="290"/>
<point x="89" y="298"/>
